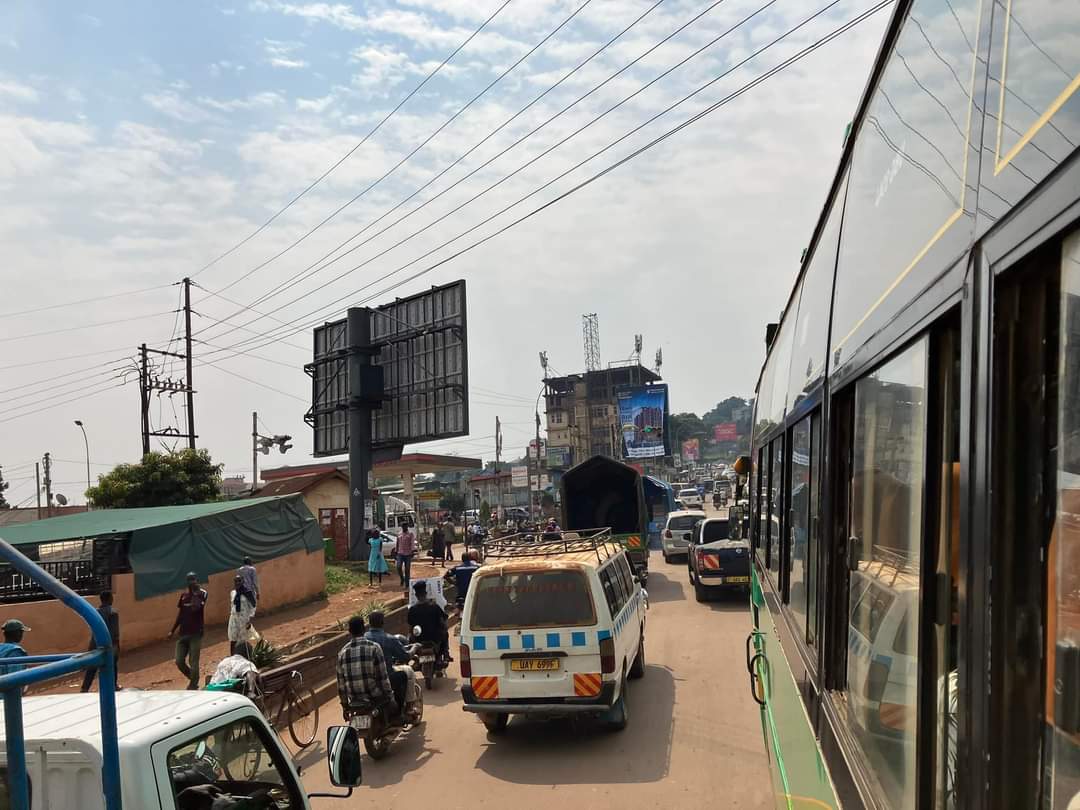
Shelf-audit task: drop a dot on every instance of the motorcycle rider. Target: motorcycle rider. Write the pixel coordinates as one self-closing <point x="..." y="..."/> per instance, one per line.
<point x="361" y="672"/>
<point x="394" y="652"/>
<point x="462" y="575"/>
<point x="432" y="621"/>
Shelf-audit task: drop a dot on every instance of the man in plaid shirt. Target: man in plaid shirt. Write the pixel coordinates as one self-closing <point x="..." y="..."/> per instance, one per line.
<point x="361" y="670"/>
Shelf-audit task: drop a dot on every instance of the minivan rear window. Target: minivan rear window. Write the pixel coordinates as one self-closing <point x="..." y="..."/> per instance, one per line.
<point x="714" y="530"/>
<point x="689" y="492"/>
<point x="682" y="523"/>
<point x="525" y="599"/>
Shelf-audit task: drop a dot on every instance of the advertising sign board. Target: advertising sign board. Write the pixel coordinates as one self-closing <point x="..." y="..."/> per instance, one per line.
<point x="691" y="450"/>
<point x="726" y="432"/>
<point x="643" y="417"/>
<point x="519" y="477"/>
<point x="559" y="458"/>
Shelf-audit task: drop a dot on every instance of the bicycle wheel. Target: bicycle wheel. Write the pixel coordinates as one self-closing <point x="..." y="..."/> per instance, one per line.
<point x="303" y="716"/>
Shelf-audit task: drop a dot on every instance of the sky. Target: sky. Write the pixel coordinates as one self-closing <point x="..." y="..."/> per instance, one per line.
<point x="142" y="143"/>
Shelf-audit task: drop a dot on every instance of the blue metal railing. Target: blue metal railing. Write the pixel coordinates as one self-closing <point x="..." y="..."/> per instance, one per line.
<point x="46" y="667"/>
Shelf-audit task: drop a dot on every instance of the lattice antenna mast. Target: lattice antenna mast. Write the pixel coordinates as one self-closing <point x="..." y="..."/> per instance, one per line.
<point x="590" y="325"/>
<point x="659" y="359"/>
<point x="638" y="342"/>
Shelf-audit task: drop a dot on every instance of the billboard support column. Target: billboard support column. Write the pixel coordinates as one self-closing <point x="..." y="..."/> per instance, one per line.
<point x="361" y="400"/>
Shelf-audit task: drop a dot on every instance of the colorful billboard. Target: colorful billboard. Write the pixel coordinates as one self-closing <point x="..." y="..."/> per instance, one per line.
<point x="726" y="432"/>
<point x="559" y="458"/>
<point x="643" y="418"/>
<point x="691" y="450"/>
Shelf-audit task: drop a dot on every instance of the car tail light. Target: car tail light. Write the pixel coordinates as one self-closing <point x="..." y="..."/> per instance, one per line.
<point x="607" y="656"/>
<point x="700" y="558"/>
<point x="667" y="534"/>
<point x="465" y="661"/>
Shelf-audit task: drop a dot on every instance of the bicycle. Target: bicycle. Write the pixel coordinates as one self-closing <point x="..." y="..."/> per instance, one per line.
<point x="297" y="707"/>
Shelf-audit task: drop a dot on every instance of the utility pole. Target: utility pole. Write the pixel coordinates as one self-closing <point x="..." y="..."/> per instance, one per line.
<point x="48" y="485"/>
<point x="187" y="355"/>
<point x="254" y="451"/>
<point x="498" y="480"/>
<point x="537" y="466"/>
<point x="37" y="480"/>
<point x="144" y="398"/>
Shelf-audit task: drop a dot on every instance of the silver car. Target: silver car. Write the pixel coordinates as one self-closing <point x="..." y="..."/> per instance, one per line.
<point x="675" y="538"/>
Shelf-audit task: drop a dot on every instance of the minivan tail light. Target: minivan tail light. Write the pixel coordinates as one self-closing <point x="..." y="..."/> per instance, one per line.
<point x="700" y="558"/>
<point x="607" y="656"/>
<point x="465" y="661"/>
<point x="667" y="534"/>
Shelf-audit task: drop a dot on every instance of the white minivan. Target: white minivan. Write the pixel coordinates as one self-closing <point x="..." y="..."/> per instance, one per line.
<point x="675" y="538"/>
<point x="552" y="629"/>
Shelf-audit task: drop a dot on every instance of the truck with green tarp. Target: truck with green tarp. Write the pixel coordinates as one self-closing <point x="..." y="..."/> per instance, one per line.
<point x="603" y="493"/>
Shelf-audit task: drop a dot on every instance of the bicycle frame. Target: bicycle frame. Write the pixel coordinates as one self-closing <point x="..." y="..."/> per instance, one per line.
<point x="48" y="667"/>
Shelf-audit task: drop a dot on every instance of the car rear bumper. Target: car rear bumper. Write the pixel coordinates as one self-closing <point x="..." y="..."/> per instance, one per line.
<point x="548" y="706"/>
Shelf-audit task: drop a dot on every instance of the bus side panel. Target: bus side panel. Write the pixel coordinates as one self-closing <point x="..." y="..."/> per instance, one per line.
<point x="800" y="778"/>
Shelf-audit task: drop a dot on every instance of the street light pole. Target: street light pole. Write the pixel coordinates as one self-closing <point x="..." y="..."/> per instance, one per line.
<point x="86" y="443"/>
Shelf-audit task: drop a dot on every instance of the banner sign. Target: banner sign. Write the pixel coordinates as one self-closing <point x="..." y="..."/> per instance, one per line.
<point x="559" y="457"/>
<point x="726" y="432"/>
<point x="691" y="450"/>
<point x="519" y="477"/>
<point x="643" y="420"/>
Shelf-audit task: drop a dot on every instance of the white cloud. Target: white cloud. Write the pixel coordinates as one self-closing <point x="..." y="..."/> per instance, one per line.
<point x="91" y="20"/>
<point x="382" y="66"/>
<point x="228" y="12"/>
<point x="281" y="54"/>
<point x="28" y="145"/>
<point x="172" y="105"/>
<point x="19" y="92"/>
<point x="316" y="105"/>
<point x="224" y="65"/>
<point x="267" y="98"/>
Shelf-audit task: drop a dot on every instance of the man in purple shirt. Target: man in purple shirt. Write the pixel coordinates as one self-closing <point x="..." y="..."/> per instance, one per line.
<point x="189" y="621"/>
<point x="406" y="548"/>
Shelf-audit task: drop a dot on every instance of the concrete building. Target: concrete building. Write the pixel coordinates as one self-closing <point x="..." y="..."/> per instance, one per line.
<point x="326" y="496"/>
<point x="582" y="415"/>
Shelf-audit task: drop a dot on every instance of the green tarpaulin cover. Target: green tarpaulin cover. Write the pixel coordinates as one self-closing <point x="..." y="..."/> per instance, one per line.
<point x="169" y="541"/>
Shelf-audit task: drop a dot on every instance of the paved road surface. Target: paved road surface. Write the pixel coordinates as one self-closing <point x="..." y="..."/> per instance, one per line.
<point x="694" y="738"/>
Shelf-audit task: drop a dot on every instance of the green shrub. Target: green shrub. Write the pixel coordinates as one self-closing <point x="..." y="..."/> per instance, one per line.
<point x="339" y="579"/>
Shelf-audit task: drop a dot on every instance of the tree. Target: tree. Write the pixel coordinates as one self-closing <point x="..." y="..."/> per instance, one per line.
<point x="3" y="486"/>
<point x="160" y="479"/>
<point x="452" y="501"/>
<point x="485" y="513"/>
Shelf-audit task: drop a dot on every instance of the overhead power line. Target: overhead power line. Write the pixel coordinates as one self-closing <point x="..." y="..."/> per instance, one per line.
<point x="362" y="141"/>
<point x="416" y="148"/>
<point x="28" y="335"/>
<point x="65" y="401"/>
<point x="95" y="299"/>
<point x="271" y="334"/>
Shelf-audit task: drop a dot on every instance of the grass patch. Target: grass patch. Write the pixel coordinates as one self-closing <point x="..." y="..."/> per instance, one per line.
<point x="339" y="579"/>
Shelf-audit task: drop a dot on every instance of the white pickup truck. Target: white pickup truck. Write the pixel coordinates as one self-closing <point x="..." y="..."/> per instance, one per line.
<point x="178" y="751"/>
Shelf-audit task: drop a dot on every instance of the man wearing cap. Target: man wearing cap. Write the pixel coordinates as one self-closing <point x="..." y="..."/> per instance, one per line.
<point x="12" y="645"/>
<point x="189" y="621"/>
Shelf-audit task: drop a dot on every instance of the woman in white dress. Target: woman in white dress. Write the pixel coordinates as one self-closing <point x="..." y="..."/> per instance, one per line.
<point x="241" y="612"/>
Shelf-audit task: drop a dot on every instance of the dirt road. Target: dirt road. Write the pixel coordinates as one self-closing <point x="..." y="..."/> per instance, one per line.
<point x="694" y="738"/>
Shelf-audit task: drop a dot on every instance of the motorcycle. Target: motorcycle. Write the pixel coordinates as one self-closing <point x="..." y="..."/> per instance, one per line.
<point x="427" y="661"/>
<point x="375" y="725"/>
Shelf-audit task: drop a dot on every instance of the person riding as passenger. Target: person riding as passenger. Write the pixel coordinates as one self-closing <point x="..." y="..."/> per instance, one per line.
<point x="362" y="675"/>
<point x="431" y="619"/>
<point x="397" y="657"/>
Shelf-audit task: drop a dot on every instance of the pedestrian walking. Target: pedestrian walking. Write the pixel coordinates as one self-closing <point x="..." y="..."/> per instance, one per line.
<point x="406" y="548"/>
<point x="438" y="545"/>
<point x="241" y="612"/>
<point x="376" y="564"/>
<point x="250" y="576"/>
<point x="190" y="623"/>
<point x="112" y="621"/>
<point x="12" y="647"/>
<point x="448" y="538"/>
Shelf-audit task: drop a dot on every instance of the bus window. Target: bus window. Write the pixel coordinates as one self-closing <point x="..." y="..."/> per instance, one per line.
<point x="886" y="531"/>
<point x="798" y="530"/>
<point x="776" y="502"/>
<point x="1063" y="577"/>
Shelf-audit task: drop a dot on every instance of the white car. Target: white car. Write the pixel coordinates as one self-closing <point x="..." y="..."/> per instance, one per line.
<point x="690" y="498"/>
<point x="675" y="538"/>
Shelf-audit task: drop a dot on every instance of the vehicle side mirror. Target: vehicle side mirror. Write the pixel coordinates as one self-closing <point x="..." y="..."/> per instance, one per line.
<point x="343" y="756"/>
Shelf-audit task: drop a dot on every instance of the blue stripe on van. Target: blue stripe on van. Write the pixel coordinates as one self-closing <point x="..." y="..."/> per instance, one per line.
<point x="479" y="643"/>
<point x="553" y="639"/>
<point x="578" y="639"/>
<point x="528" y="641"/>
<point x="603" y="635"/>
<point x="502" y="642"/>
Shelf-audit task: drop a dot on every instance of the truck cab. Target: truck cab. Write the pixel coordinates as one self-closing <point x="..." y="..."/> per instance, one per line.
<point x="169" y="742"/>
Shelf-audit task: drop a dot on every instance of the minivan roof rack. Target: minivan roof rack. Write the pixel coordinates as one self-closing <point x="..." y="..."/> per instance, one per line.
<point x="553" y="544"/>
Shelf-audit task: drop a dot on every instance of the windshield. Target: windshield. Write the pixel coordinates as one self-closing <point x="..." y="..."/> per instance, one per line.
<point x="714" y="530"/>
<point x="683" y="522"/>
<point x="522" y="599"/>
<point x="685" y="492"/>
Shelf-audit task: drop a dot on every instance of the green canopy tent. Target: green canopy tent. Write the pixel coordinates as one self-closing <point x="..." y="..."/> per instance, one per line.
<point x="168" y="541"/>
